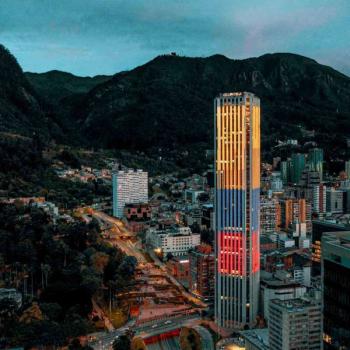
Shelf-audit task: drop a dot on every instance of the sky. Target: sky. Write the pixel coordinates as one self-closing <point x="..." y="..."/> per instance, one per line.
<point x="90" y="37"/>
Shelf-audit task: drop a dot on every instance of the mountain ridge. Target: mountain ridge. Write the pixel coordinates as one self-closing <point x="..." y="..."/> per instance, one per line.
<point x="166" y="103"/>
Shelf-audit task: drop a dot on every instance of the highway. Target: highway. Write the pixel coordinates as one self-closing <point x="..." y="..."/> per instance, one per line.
<point x="104" y="340"/>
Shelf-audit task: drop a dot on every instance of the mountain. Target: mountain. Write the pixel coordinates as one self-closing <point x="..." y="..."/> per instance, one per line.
<point x="55" y="85"/>
<point x="21" y="108"/>
<point x="168" y="102"/>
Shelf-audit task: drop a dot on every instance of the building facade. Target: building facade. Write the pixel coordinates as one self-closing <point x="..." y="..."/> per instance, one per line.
<point x="315" y="160"/>
<point x="336" y="289"/>
<point x="128" y="187"/>
<point x="202" y="271"/>
<point x="174" y="240"/>
<point x="297" y="165"/>
<point x="237" y="209"/>
<point x="295" y="324"/>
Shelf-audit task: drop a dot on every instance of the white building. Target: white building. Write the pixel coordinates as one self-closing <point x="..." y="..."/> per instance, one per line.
<point x="295" y="324"/>
<point x="128" y="187"/>
<point x="174" y="240"/>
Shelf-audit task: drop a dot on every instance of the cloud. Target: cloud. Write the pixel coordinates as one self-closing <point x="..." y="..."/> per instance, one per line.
<point x="106" y="36"/>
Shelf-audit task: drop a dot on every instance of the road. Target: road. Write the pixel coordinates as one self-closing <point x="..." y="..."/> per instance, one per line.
<point x="104" y="340"/>
<point x="119" y="236"/>
<point x="127" y="246"/>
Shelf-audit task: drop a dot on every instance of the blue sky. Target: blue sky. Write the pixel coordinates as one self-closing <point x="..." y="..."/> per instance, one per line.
<point x="89" y="37"/>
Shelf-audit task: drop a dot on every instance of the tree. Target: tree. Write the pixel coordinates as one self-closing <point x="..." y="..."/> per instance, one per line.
<point x="122" y="343"/>
<point x="99" y="261"/>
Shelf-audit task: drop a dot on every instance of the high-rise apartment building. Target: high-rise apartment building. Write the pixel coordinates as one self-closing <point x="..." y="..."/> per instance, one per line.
<point x="315" y="161"/>
<point x="237" y="196"/>
<point x="295" y="210"/>
<point x="336" y="289"/>
<point x="269" y="215"/>
<point x="295" y="324"/>
<point x="128" y="187"/>
<point x="319" y="199"/>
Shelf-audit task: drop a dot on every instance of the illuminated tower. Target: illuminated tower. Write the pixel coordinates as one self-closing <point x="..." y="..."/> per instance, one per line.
<point x="237" y="181"/>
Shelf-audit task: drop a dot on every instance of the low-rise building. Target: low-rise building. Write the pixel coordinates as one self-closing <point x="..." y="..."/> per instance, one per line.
<point x="175" y="240"/>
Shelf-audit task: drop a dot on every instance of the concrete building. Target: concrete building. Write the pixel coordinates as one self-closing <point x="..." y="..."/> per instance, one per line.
<point x="237" y="208"/>
<point x="128" y="187"/>
<point x="174" y="240"/>
<point x="336" y="289"/>
<point x="273" y="287"/>
<point x="295" y="324"/>
<point x="334" y="201"/>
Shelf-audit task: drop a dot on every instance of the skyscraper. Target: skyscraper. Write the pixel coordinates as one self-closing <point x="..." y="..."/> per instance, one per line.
<point x="298" y="165"/>
<point x="237" y="197"/>
<point x="315" y="160"/>
<point x="128" y="187"/>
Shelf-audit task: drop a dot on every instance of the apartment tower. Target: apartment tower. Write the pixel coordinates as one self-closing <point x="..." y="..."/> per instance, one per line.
<point x="237" y="196"/>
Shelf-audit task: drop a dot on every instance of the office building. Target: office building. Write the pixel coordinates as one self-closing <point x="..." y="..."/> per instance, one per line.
<point x="128" y="187"/>
<point x="334" y="201"/>
<point x="237" y="208"/>
<point x="297" y="167"/>
<point x="336" y="290"/>
<point x="319" y="227"/>
<point x="286" y="171"/>
<point x="202" y="271"/>
<point x="347" y="169"/>
<point x="315" y="161"/>
<point x="295" y="324"/>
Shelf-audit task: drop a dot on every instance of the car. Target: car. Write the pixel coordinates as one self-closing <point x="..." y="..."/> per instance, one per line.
<point x="168" y="322"/>
<point x="154" y="326"/>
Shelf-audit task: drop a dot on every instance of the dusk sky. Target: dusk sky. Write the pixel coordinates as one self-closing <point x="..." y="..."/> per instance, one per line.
<point x="89" y="37"/>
